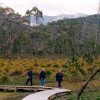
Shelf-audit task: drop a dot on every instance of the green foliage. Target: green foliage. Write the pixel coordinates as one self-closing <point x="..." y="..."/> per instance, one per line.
<point x="43" y="66"/>
<point x="48" y="65"/>
<point x="35" y="73"/>
<point x="88" y="58"/>
<point x="77" y="64"/>
<point x="82" y="71"/>
<point x="2" y="64"/>
<point x="39" y="52"/>
<point x="4" y="79"/>
<point x="55" y="66"/>
<point x="48" y="73"/>
<point x="67" y="37"/>
<point x="73" y="73"/>
<point x="36" y="13"/>
<point x="64" y="65"/>
<point x="16" y="73"/>
<point x="90" y="70"/>
<point x="74" y="58"/>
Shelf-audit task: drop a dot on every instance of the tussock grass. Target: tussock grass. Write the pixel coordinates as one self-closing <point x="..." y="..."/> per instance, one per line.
<point x="13" y="71"/>
<point x="21" y="66"/>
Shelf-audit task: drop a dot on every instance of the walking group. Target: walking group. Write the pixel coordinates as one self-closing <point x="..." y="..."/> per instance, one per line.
<point x="42" y="76"/>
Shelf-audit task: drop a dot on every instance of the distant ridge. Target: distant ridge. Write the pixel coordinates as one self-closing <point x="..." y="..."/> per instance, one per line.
<point x="55" y="18"/>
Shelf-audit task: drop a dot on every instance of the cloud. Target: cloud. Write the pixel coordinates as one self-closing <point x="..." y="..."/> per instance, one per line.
<point x="54" y="7"/>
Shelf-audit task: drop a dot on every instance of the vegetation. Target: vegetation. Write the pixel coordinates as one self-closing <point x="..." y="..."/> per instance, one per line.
<point x="68" y="37"/>
<point x="23" y="47"/>
<point x="86" y="96"/>
<point x="13" y="72"/>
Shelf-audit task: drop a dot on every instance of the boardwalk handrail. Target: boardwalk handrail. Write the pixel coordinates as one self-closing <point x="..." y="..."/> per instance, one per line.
<point x="44" y="95"/>
<point x="15" y="88"/>
<point x="57" y="94"/>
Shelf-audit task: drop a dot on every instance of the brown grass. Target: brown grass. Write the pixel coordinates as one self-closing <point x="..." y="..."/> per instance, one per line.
<point x="9" y="66"/>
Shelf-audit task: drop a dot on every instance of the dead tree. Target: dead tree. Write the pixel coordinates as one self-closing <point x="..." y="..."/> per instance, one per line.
<point x="96" y="33"/>
<point x="86" y="83"/>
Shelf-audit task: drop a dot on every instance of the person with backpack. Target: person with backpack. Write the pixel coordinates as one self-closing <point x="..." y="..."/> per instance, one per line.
<point x="29" y="77"/>
<point x="42" y="77"/>
<point x="59" y="78"/>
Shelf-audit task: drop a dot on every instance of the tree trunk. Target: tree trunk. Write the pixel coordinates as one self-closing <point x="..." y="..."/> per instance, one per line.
<point x="86" y="83"/>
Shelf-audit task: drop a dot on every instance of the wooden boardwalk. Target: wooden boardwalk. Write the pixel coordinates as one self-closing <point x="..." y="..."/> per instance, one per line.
<point x="47" y="95"/>
<point x="43" y="95"/>
<point x="15" y="88"/>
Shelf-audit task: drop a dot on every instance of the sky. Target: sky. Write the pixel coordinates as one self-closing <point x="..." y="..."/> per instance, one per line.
<point x="54" y="7"/>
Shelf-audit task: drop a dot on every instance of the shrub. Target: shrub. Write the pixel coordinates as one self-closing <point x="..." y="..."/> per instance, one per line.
<point x="82" y="64"/>
<point x="64" y="71"/>
<point x="16" y="73"/>
<point x="48" y="65"/>
<point x="4" y="79"/>
<point x="2" y="64"/>
<point x="56" y="65"/>
<point x="65" y="65"/>
<point x="82" y="71"/>
<point x="90" y="70"/>
<point x="35" y="73"/>
<point x="43" y="66"/>
<point x="73" y="73"/>
<point x="40" y="52"/>
<point x="36" y="65"/>
<point x="48" y="73"/>
<point x="35" y="60"/>
<point x="98" y="98"/>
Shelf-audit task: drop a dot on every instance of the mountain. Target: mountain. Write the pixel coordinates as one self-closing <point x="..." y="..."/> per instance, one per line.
<point x="47" y="18"/>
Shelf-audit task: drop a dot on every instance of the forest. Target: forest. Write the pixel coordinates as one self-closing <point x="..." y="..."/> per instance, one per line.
<point x="68" y="37"/>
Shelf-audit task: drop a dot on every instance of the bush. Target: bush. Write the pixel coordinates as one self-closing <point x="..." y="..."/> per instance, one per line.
<point x="2" y="64"/>
<point x="16" y="73"/>
<point x="90" y="70"/>
<point x="35" y="73"/>
<point x="4" y="79"/>
<point x="65" y="65"/>
<point x="56" y="65"/>
<point x="82" y="71"/>
<point x="43" y="66"/>
<point x="48" y="65"/>
<point x="48" y="73"/>
<point x="73" y="73"/>
<point x="36" y="65"/>
<point x="39" y="52"/>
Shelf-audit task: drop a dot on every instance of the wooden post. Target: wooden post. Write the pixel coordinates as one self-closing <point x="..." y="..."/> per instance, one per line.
<point x="15" y="89"/>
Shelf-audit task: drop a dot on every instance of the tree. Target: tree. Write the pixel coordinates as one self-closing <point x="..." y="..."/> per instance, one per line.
<point x="86" y="83"/>
<point x="28" y="14"/>
<point x="12" y="25"/>
<point x="39" y="40"/>
<point x="97" y="28"/>
<point x="37" y="14"/>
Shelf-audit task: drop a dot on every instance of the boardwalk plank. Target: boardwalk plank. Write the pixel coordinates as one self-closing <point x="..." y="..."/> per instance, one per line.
<point x="46" y="95"/>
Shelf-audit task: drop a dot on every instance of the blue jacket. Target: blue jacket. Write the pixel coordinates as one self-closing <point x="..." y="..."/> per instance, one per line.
<point x="30" y="73"/>
<point x="59" y="76"/>
<point x="42" y="75"/>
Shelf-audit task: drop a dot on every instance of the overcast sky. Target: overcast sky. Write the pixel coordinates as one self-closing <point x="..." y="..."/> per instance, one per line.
<point x="54" y="7"/>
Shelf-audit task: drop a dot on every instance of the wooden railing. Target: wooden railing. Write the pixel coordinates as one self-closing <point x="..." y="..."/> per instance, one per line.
<point x="15" y="88"/>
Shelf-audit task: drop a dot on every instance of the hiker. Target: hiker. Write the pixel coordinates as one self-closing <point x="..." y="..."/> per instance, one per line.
<point x="29" y="77"/>
<point x="42" y="77"/>
<point x="59" y="78"/>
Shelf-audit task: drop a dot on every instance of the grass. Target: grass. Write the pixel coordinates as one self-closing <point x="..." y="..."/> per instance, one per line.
<point x="13" y="72"/>
<point x="89" y="95"/>
<point x="8" y="95"/>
